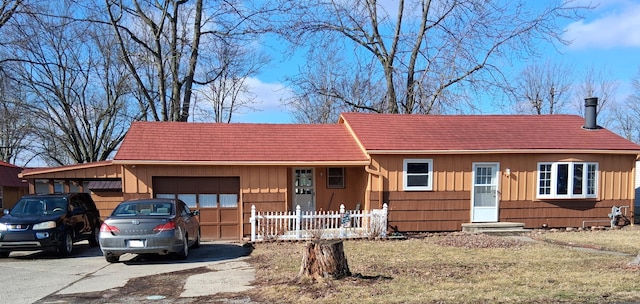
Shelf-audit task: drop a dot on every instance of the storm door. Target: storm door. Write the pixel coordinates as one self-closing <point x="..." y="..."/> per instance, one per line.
<point x="484" y="196"/>
<point x="303" y="189"/>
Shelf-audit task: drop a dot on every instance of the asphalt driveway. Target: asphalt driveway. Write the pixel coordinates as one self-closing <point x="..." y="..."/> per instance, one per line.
<point x="210" y="272"/>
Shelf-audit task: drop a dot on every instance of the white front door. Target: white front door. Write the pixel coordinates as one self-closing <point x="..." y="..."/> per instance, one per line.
<point x="303" y="189"/>
<point x="484" y="195"/>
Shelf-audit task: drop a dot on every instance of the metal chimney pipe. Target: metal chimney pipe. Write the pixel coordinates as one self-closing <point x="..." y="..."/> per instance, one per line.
<point x="590" y="113"/>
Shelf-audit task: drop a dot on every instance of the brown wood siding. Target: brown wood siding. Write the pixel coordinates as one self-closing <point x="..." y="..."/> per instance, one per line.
<point x="264" y="186"/>
<point x="106" y="171"/>
<point x="427" y="211"/>
<point x="351" y="195"/>
<point x="11" y="195"/>
<point x="454" y="173"/>
<point x="559" y="213"/>
<point x="264" y="202"/>
<point x="449" y="204"/>
<point x="106" y="201"/>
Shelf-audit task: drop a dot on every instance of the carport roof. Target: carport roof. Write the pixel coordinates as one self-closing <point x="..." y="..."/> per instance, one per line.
<point x="239" y="143"/>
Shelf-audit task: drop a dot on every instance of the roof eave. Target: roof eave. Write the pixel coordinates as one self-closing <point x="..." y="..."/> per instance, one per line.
<point x="244" y="163"/>
<point x="28" y="172"/>
<point x="505" y="151"/>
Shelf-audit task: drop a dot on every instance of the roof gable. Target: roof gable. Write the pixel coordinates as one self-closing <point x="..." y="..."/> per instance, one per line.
<point x="242" y="143"/>
<point x="394" y="132"/>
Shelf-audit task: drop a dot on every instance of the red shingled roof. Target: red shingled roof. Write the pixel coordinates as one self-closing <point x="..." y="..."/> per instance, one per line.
<point x="9" y="176"/>
<point x="388" y="132"/>
<point x="213" y="142"/>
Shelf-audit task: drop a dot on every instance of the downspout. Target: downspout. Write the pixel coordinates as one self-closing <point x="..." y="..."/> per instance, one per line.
<point x="380" y="183"/>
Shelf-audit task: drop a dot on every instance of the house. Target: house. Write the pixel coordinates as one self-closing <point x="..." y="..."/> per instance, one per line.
<point x="11" y="187"/>
<point x="434" y="172"/>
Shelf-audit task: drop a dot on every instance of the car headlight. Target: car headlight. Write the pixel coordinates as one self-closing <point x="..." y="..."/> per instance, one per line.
<point x="3" y="227"/>
<point x="44" y="225"/>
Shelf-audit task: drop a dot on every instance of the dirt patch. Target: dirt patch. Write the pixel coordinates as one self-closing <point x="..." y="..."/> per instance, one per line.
<point x="157" y="289"/>
<point x="465" y="240"/>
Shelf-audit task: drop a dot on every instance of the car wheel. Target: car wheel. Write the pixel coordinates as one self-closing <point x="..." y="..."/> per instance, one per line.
<point x="4" y="254"/>
<point x="196" y="244"/>
<point x="184" y="253"/>
<point x="66" y="244"/>
<point x="93" y="241"/>
<point x="112" y="258"/>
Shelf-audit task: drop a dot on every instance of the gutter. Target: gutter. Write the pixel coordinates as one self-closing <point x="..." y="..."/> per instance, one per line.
<point x="505" y="151"/>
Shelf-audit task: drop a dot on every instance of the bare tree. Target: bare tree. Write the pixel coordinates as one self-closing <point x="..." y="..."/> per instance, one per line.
<point x="428" y="53"/>
<point x="328" y="85"/>
<point x="543" y="89"/>
<point x="7" y="9"/>
<point x="627" y="116"/>
<point x="598" y="82"/>
<point x="161" y="42"/>
<point x="15" y="124"/>
<point x="74" y="87"/>
<point x="229" y="92"/>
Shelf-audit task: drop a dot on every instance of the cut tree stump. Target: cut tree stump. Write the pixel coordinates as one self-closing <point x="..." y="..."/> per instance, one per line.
<point x="323" y="259"/>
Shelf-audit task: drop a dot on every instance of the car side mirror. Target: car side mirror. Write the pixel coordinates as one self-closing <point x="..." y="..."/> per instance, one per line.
<point x="195" y="212"/>
<point x="6" y="211"/>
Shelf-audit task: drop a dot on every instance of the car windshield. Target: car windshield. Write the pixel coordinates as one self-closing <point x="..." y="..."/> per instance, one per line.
<point x="143" y="208"/>
<point x="40" y="206"/>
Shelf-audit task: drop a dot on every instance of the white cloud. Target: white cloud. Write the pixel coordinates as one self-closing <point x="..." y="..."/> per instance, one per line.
<point x="616" y="26"/>
<point x="266" y="105"/>
<point x="268" y="95"/>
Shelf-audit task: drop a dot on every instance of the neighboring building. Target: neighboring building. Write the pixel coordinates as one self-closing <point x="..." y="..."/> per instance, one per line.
<point x="435" y="172"/>
<point x="11" y="187"/>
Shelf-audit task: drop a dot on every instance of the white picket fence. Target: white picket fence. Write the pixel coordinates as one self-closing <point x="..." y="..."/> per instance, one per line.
<point x="301" y="225"/>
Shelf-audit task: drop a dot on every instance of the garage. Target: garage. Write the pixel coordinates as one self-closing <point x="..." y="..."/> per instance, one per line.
<point x="217" y="199"/>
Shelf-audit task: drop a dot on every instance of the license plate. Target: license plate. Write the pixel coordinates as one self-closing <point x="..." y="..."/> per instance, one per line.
<point x="136" y="243"/>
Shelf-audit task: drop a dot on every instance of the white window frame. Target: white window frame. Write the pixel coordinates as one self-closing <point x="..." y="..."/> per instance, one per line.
<point x="587" y="182"/>
<point x="429" y="174"/>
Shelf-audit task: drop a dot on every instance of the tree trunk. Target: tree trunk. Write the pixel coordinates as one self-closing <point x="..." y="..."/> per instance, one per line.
<point x="322" y="260"/>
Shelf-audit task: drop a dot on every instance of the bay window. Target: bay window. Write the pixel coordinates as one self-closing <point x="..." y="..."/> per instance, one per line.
<point x="567" y="180"/>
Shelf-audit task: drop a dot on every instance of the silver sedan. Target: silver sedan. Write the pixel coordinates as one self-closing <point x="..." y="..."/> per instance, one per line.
<point x="158" y="226"/>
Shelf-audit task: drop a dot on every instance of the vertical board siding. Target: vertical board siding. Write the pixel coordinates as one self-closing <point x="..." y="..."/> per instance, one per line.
<point x="351" y="195"/>
<point x="535" y="214"/>
<point x="106" y="201"/>
<point x="264" y="202"/>
<point x="449" y="204"/>
<point x="427" y="211"/>
<point x="264" y="186"/>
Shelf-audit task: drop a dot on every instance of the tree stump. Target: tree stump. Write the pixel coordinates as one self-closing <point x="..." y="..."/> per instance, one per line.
<point x="322" y="260"/>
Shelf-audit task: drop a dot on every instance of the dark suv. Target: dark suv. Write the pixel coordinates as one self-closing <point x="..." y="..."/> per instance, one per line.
<point x="50" y="222"/>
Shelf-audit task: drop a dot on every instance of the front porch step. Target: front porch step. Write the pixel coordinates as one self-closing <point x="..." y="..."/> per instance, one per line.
<point x="499" y="228"/>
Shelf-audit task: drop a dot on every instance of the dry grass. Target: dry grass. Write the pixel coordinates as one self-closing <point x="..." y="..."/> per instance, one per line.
<point x="626" y="240"/>
<point x="451" y="269"/>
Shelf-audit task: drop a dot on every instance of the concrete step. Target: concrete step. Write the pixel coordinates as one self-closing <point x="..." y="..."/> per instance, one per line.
<point x="498" y="228"/>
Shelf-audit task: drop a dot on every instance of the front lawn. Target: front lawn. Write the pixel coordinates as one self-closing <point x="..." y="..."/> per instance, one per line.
<point x="457" y="268"/>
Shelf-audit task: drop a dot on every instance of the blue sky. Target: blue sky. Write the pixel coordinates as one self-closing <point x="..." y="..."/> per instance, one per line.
<point x="607" y="38"/>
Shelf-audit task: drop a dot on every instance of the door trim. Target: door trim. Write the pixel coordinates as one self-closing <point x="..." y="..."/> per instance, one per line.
<point x="486" y="214"/>
<point x="312" y="203"/>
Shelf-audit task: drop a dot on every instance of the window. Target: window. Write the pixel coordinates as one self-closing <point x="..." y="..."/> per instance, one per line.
<point x="228" y="200"/>
<point x="567" y="180"/>
<point x="335" y="177"/>
<point x="418" y="174"/>
<point x="189" y="199"/>
<point x="208" y="200"/>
